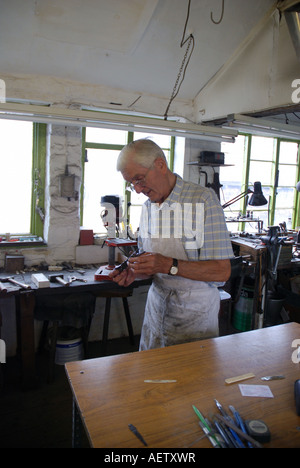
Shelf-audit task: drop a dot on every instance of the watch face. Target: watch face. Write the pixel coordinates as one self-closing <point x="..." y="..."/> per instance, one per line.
<point x="174" y="270"/>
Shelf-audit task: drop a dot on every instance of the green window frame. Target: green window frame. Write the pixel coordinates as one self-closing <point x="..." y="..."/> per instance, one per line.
<point x="37" y="200"/>
<point x="38" y="179"/>
<point x="108" y="146"/>
<point x="275" y="164"/>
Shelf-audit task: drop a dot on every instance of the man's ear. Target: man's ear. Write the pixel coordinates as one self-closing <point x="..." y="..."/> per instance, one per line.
<point x="161" y="164"/>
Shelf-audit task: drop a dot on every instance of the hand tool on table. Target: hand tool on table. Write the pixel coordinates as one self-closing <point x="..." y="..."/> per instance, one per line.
<point x="235" y="438"/>
<point x="212" y="436"/>
<point x="137" y="434"/>
<point x="239" y="422"/>
<point x="11" y="279"/>
<point x="268" y="378"/>
<point x="232" y="426"/>
<point x="71" y="279"/>
<point x="58" y="279"/>
<point x="3" y="288"/>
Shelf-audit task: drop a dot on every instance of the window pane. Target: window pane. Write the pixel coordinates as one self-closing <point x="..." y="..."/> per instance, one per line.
<point x="262" y="216"/>
<point x="288" y="153"/>
<point x="283" y="216"/>
<point x="135" y="215"/>
<point x="260" y="172"/>
<point x="287" y="175"/>
<point x="100" y="178"/>
<point x="103" y="135"/>
<point x="15" y="176"/>
<point x="138" y="198"/>
<point x="284" y="197"/>
<point x="262" y="148"/>
<point x="231" y="176"/>
<point x="164" y="141"/>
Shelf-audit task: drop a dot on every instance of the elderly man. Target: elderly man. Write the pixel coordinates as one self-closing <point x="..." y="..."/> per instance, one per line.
<point x="187" y="249"/>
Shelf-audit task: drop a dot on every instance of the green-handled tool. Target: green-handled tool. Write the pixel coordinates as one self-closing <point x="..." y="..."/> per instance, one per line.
<point x="204" y="423"/>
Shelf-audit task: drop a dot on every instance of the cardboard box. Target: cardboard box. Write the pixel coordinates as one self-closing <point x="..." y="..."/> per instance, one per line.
<point x="86" y="237"/>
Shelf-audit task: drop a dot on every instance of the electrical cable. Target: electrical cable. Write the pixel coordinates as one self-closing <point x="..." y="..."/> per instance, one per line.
<point x="186" y="59"/>
<point x="222" y="14"/>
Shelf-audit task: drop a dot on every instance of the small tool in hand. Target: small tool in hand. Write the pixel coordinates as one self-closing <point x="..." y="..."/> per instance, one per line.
<point x="124" y="264"/>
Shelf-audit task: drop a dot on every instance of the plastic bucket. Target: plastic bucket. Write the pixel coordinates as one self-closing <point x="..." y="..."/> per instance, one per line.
<point x="242" y="314"/>
<point x="67" y="351"/>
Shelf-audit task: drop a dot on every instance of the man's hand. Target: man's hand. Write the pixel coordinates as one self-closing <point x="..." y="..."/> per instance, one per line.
<point x="125" y="278"/>
<point x="150" y="263"/>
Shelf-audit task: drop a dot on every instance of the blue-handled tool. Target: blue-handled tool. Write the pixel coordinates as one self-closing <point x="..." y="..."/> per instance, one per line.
<point x="235" y="438"/>
<point x="239" y="422"/>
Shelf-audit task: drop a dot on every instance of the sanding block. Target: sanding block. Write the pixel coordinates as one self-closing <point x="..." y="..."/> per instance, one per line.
<point x="40" y="280"/>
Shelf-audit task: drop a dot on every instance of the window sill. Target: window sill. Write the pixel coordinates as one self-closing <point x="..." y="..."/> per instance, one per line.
<point x="22" y="241"/>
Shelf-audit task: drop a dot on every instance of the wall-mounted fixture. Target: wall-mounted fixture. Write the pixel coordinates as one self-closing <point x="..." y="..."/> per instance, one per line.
<point x="82" y="118"/>
<point x="67" y="185"/>
<point x="262" y="127"/>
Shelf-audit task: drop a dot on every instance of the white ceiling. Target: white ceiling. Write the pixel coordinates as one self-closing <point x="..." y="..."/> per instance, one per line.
<point x="130" y="45"/>
<point x="125" y="44"/>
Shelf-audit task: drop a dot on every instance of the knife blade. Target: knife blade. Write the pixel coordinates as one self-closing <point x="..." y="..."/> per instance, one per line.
<point x="124" y="264"/>
<point x="268" y="378"/>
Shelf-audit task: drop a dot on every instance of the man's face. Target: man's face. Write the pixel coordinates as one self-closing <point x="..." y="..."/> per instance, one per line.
<point x="149" y="181"/>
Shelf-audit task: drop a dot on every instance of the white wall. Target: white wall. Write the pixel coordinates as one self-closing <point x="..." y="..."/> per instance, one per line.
<point x="257" y="78"/>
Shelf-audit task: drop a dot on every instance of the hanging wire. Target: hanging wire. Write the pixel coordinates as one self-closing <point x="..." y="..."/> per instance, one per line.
<point x="222" y="14"/>
<point x="186" y="59"/>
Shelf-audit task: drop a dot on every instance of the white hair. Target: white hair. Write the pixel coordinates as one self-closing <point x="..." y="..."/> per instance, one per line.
<point x="143" y="152"/>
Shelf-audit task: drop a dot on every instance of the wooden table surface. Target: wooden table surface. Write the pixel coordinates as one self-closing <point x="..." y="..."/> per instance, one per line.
<point x="111" y="392"/>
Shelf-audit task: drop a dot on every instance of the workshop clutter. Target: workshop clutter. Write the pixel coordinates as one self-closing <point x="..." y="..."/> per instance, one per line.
<point x="69" y="345"/>
<point x="242" y="314"/>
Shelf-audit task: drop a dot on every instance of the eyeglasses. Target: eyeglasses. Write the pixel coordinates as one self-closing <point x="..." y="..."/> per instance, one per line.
<point x="141" y="182"/>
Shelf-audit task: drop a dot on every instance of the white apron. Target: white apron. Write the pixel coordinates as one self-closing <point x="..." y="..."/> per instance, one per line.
<point x="178" y="310"/>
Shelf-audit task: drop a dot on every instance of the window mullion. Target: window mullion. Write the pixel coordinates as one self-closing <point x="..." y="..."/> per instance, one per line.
<point x="245" y="180"/>
<point x="296" y="212"/>
<point x="38" y="179"/>
<point x="274" y="185"/>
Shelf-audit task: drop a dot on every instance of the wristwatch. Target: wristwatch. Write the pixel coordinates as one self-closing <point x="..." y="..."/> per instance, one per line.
<point x="174" y="268"/>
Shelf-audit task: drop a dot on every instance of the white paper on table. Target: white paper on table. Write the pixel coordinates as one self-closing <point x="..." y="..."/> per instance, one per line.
<point x="256" y="391"/>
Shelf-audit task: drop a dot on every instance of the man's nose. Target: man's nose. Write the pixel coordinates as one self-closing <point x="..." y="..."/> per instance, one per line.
<point x="138" y="188"/>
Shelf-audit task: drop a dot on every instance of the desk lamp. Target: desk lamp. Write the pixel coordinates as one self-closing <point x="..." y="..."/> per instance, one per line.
<point x="257" y="198"/>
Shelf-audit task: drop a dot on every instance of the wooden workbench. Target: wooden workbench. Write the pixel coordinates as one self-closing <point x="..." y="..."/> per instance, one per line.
<point x="26" y="303"/>
<point x="111" y="392"/>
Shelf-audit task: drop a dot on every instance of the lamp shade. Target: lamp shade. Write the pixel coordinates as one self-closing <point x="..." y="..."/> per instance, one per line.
<point x="257" y="198"/>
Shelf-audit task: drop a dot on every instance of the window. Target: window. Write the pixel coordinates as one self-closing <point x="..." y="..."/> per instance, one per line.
<point x="101" y="150"/>
<point x="287" y="176"/>
<point x="15" y="176"/>
<point x="273" y="162"/>
<point x="22" y="178"/>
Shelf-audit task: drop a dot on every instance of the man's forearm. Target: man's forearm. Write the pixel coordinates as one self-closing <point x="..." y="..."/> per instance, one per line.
<point x="204" y="270"/>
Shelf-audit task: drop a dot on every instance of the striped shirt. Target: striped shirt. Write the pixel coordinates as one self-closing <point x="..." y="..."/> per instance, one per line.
<point x="193" y="214"/>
